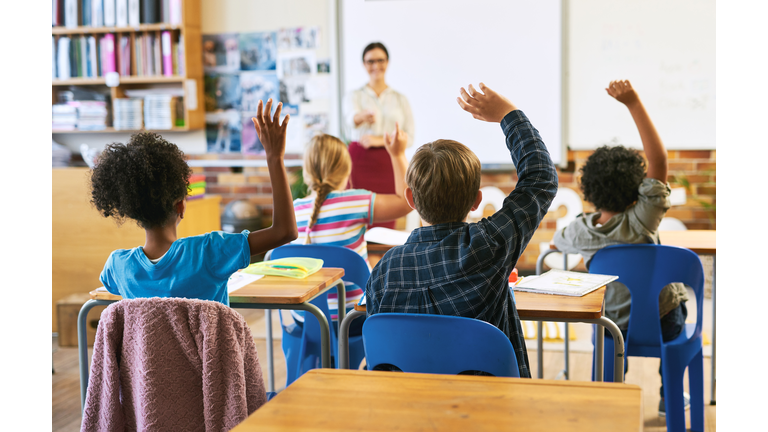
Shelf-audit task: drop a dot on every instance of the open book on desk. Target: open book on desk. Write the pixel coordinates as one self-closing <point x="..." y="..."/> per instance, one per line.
<point x="561" y="282"/>
<point x="386" y="236"/>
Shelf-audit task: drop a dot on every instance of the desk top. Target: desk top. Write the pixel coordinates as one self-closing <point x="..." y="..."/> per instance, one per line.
<point x="531" y="306"/>
<point x="271" y="289"/>
<point x="699" y="241"/>
<point x="385" y="401"/>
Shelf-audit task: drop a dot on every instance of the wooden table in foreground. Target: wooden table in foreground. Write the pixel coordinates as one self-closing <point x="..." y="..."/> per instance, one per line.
<point x="269" y="292"/>
<point x="702" y="242"/>
<point x="338" y="400"/>
<point x="543" y="307"/>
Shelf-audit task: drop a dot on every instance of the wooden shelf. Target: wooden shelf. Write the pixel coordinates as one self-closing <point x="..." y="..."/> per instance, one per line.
<point x="191" y="78"/>
<point x="148" y="79"/>
<point x="88" y="30"/>
<point x="113" y="130"/>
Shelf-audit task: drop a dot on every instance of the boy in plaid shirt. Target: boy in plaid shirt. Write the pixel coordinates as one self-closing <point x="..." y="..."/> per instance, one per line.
<point x="449" y="266"/>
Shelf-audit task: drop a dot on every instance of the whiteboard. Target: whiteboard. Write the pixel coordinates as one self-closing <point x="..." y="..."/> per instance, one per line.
<point x="665" y="48"/>
<point x="438" y="46"/>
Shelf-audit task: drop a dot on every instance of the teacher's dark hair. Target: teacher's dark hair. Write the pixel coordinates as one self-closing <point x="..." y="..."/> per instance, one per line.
<point x="374" y="45"/>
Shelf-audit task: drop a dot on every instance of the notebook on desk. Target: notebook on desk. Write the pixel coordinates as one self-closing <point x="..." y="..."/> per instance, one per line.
<point x="561" y="282"/>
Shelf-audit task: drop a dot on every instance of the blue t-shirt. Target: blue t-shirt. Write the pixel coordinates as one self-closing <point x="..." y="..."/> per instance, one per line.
<point x="194" y="267"/>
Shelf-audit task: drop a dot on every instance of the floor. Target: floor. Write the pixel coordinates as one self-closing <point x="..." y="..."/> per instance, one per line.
<point x="642" y="372"/>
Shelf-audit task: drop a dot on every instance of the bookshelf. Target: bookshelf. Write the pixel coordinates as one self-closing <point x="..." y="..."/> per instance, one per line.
<point x="185" y="79"/>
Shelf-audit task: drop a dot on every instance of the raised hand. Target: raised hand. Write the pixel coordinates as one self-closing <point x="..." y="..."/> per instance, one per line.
<point x="623" y="92"/>
<point x="271" y="133"/>
<point x="487" y="106"/>
<point x="396" y="141"/>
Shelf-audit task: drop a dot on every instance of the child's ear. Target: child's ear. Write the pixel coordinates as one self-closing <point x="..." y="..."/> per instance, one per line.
<point x="409" y="198"/>
<point x="478" y="200"/>
<point x="181" y="207"/>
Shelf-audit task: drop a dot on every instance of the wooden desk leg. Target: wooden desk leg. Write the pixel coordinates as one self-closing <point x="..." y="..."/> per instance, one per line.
<point x="82" y="345"/>
<point x="344" y="338"/>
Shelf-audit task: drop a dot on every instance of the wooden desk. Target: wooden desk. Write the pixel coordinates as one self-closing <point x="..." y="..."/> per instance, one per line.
<point x="543" y="307"/>
<point x="702" y="242"/>
<point x="340" y="400"/>
<point x="269" y="292"/>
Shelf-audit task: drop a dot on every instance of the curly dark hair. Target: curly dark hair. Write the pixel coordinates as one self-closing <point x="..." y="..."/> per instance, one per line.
<point x="141" y="180"/>
<point x="611" y="176"/>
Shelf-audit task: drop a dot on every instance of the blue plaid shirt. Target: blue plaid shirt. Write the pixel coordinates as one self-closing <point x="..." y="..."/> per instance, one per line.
<point x="462" y="269"/>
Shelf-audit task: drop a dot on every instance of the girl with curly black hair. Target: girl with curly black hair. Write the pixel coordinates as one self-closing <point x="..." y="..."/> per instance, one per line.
<point x="147" y="181"/>
<point x="630" y="199"/>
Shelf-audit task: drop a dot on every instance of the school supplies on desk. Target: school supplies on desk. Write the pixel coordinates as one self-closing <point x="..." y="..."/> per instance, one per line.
<point x="297" y="268"/>
<point x="386" y="236"/>
<point x="240" y="279"/>
<point x="561" y="282"/>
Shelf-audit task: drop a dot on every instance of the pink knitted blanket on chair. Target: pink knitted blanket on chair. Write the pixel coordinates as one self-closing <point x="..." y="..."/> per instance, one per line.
<point x="172" y="364"/>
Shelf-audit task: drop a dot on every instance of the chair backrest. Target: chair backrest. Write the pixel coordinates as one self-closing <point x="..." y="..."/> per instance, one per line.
<point x="645" y="269"/>
<point x="437" y="344"/>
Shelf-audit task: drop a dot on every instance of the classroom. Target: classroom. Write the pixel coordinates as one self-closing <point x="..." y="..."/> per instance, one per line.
<point x="565" y="81"/>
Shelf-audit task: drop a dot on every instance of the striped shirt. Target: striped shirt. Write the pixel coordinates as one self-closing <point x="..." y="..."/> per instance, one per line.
<point x="342" y="221"/>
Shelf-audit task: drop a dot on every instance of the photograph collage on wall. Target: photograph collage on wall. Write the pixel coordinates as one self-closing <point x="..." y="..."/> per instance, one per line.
<point x="243" y="68"/>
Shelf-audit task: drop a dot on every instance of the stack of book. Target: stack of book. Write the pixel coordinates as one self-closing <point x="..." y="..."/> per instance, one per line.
<point x="84" y="56"/>
<point x="91" y="115"/>
<point x="64" y="117"/>
<point x="120" y="13"/>
<point x="159" y="111"/>
<point x="196" y="186"/>
<point x="127" y="114"/>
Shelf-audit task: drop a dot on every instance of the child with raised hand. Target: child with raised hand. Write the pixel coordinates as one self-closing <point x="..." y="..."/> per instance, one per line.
<point x="630" y="200"/>
<point x="147" y="180"/>
<point x="332" y="215"/>
<point x="449" y="266"/>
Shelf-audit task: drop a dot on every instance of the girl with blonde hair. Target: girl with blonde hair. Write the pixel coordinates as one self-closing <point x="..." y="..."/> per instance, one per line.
<point x="335" y="216"/>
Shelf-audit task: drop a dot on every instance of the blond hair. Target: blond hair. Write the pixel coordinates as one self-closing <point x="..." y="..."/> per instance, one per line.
<point x="326" y="165"/>
<point x="444" y="176"/>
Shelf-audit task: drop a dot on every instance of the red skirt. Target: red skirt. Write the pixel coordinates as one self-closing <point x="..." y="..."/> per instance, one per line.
<point x="372" y="170"/>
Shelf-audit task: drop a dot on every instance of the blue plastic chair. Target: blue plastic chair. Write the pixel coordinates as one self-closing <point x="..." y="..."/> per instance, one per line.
<point x="437" y="344"/>
<point x="302" y="348"/>
<point x="645" y="269"/>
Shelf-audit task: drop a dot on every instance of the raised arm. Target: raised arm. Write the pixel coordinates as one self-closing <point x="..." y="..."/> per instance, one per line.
<point x="623" y="92"/>
<point x="514" y="224"/>
<point x="393" y="206"/>
<point x="272" y="136"/>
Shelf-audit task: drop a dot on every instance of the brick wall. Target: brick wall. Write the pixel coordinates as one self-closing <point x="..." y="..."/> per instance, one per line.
<point x="695" y="166"/>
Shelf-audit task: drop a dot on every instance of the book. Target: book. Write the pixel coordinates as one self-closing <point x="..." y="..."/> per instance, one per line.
<point x="109" y="53"/>
<point x="174" y="11"/>
<point x="386" y="236"/>
<point x="86" y="13"/>
<point x="93" y="64"/>
<point x="149" y="11"/>
<point x="97" y="13"/>
<point x="53" y="56"/>
<point x="121" y="13"/>
<point x="167" y="56"/>
<point x="71" y="17"/>
<point x="109" y="13"/>
<point x="165" y="11"/>
<point x="62" y="58"/>
<point x="180" y="60"/>
<point x="560" y="282"/>
<point x="133" y="13"/>
<point x="158" y="60"/>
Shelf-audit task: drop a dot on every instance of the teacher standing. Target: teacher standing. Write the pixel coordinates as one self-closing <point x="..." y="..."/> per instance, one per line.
<point x="369" y="113"/>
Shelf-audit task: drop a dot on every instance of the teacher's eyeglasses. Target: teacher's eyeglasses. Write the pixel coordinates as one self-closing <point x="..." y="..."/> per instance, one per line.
<point x="375" y="61"/>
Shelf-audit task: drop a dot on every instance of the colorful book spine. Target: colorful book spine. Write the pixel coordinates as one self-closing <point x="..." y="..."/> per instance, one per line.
<point x="174" y="7"/>
<point x="133" y="13"/>
<point x="121" y="13"/>
<point x="167" y="55"/>
<point x="70" y="13"/>
<point x="109" y="53"/>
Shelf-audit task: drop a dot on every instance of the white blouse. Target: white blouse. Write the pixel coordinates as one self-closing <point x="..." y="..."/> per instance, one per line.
<point x="388" y="108"/>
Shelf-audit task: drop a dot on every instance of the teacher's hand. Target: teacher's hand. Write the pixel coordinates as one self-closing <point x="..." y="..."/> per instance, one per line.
<point x="396" y="142"/>
<point x="364" y="117"/>
<point x="487" y="106"/>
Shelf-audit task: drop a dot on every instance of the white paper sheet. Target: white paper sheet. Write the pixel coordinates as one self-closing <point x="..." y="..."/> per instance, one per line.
<point x="240" y="279"/>
<point x="386" y="236"/>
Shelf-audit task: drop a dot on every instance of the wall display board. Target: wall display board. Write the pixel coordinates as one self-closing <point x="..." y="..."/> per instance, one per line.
<point x="665" y="48"/>
<point x="438" y="46"/>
